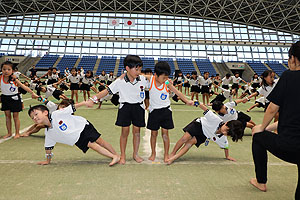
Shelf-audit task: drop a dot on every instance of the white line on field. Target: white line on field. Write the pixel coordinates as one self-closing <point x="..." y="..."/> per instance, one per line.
<point x="131" y="162"/>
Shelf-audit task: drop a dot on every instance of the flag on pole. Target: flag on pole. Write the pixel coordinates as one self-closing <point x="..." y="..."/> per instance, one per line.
<point x="129" y="22"/>
<point x="114" y="22"/>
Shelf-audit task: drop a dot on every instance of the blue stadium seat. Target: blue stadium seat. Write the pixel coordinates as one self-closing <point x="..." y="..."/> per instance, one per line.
<point x="205" y="65"/>
<point x="47" y="61"/>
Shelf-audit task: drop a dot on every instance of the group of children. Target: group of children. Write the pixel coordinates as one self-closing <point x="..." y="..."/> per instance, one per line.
<point x="131" y="88"/>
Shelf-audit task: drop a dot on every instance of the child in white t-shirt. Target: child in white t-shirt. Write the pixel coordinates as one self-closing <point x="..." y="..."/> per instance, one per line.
<point x="206" y="128"/>
<point x="63" y="127"/>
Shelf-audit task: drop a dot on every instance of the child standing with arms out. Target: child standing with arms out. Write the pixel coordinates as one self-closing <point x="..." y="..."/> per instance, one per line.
<point x="205" y="87"/>
<point x="63" y="127"/>
<point x="195" y="88"/>
<point x="10" y="97"/>
<point x="131" y="90"/>
<point x="203" y="129"/>
<point x="160" y="111"/>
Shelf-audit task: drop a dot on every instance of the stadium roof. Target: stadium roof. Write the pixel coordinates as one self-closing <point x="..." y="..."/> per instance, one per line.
<point x="281" y="15"/>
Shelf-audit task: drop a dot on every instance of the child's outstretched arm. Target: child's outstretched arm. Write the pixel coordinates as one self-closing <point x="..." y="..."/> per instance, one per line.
<point x="59" y="82"/>
<point x="203" y="107"/>
<point x="83" y="103"/>
<point x="48" y="156"/>
<point x="33" y="95"/>
<point x="96" y="98"/>
<point x="179" y="94"/>
<point x="227" y="155"/>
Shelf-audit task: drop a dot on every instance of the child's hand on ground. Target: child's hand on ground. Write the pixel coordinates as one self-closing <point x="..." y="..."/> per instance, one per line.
<point x="43" y="163"/>
<point x="231" y="159"/>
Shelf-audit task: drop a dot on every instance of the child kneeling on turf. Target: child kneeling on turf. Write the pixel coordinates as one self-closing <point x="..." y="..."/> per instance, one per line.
<point x="63" y="127"/>
<point x="203" y="129"/>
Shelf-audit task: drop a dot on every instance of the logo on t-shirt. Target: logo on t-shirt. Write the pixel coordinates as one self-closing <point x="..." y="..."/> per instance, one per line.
<point x="163" y="96"/>
<point x="231" y="111"/>
<point x="62" y="125"/>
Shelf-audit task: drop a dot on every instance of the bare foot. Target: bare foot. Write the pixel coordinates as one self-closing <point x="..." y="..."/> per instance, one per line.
<point x="122" y="161"/>
<point x="152" y="157"/>
<point x="17" y="136"/>
<point x="170" y="161"/>
<point x="138" y="159"/>
<point x="6" y="136"/>
<point x="260" y="186"/>
<point x="166" y="158"/>
<point x="115" y="160"/>
<point x="25" y="135"/>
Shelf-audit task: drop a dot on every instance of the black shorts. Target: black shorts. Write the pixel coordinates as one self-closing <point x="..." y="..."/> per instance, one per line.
<point x="160" y="118"/>
<point x="219" y="97"/>
<point x="89" y="134"/>
<point x="242" y="117"/>
<point x="195" y="130"/>
<point x="260" y="105"/>
<point x="235" y="86"/>
<point x="147" y="96"/>
<point x="255" y="85"/>
<point x="195" y="88"/>
<point x="102" y="81"/>
<point x="85" y="87"/>
<point x="109" y="82"/>
<point x="247" y="92"/>
<point x="215" y="82"/>
<point x="74" y="86"/>
<point x="115" y="99"/>
<point x="204" y="89"/>
<point x="101" y="87"/>
<point x="51" y="81"/>
<point x="187" y="85"/>
<point x="11" y="102"/>
<point x="131" y="114"/>
<point x="57" y="93"/>
<point x="225" y="86"/>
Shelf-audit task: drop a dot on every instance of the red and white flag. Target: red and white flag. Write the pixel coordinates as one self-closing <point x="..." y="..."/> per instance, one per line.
<point x="129" y="22"/>
<point x="114" y="22"/>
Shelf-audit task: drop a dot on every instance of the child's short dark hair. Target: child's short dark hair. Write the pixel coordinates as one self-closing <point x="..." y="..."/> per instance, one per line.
<point x="148" y="71"/>
<point x="8" y="63"/>
<point x="162" y="67"/>
<point x="194" y="73"/>
<point x="133" y="61"/>
<point x="217" y="105"/>
<point x="236" y="130"/>
<point x="37" y="107"/>
<point x="228" y="75"/>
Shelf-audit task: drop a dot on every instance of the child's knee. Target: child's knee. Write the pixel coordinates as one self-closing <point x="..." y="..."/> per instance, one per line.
<point x="165" y="137"/>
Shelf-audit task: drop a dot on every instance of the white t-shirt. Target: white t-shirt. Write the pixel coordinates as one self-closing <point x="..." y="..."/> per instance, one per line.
<point x="210" y="124"/>
<point x="265" y="91"/>
<point x="74" y="79"/>
<point x="65" y="127"/>
<point x="103" y="78"/>
<point x="17" y="74"/>
<point x="87" y="80"/>
<point x="227" y="94"/>
<point x="111" y="78"/>
<point x="236" y="79"/>
<point x="49" y="91"/>
<point x="226" y="81"/>
<point x="159" y="96"/>
<point x="231" y="112"/>
<point x="256" y="80"/>
<point x="8" y="88"/>
<point x="129" y="92"/>
<point x="194" y="82"/>
<point x="205" y="82"/>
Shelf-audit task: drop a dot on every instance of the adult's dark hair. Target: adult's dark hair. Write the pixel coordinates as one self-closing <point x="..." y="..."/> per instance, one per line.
<point x="37" y="107"/>
<point x="295" y="50"/>
<point x="133" y="61"/>
<point x="162" y="67"/>
<point x="236" y="130"/>
<point x="264" y="75"/>
<point x="217" y="105"/>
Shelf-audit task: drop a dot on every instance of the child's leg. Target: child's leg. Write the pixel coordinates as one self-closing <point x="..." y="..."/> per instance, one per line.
<point x="123" y="143"/>
<point x="183" y="150"/>
<point x="104" y="152"/>
<point x="186" y="137"/>
<point x="33" y="129"/>
<point x="252" y="107"/>
<point x="8" y="123"/>
<point x="84" y="95"/>
<point x="106" y="145"/>
<point x="153" y="145"/>
<point x="192" y="97"/>
<point x="100" y="103"/>
<point x="72" y="94"/>
<point x="203" y="98"/>
<point x="76" y="95"/>
<point x="17" y="124"/>
<point x="197" y="96"/>
<point x="166" y="140"/>
<point x="207" y="98"/>
<point x="88" y="94"/>
<point x="136" y="143"/>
